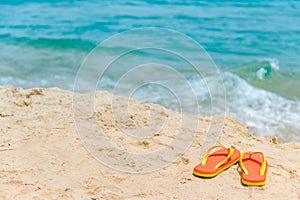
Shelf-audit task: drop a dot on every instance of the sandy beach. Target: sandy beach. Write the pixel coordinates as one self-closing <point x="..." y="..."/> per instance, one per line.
<point x="43" y="157"/>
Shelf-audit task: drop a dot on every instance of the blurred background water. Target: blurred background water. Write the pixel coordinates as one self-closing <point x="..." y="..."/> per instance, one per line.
<point x="255" y="44"/>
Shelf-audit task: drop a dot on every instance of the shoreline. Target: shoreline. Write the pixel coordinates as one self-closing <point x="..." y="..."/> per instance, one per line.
<point x="42" y="156"/>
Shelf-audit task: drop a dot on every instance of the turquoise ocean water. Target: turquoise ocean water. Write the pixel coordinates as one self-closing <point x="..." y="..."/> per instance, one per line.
<point x="255" y="44"/>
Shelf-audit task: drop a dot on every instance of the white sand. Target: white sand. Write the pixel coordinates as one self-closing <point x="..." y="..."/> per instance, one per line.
<point x="42" y="156"/>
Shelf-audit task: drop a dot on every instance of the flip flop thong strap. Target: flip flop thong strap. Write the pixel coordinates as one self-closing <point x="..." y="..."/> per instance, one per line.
<point x="230" y="153"/>
<point x="263" y="165"/>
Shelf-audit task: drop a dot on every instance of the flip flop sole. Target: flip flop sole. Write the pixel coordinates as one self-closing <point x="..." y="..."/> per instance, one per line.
<point x="253" y="183"/>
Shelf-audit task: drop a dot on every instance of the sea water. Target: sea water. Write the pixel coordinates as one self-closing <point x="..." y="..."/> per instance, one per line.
<point x="256" y="46"/>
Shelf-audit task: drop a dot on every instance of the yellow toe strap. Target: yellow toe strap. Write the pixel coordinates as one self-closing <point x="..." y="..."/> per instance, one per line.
<point x="263" y="165"/>
<point x="230" y="153"/>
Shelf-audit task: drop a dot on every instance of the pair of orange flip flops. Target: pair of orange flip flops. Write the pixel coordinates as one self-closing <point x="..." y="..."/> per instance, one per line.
<point x="253" y="164"/>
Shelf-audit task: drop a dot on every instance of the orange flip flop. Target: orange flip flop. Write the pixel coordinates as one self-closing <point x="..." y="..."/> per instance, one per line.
<point x="218" y="161"/>
<point x="254" y="168"/>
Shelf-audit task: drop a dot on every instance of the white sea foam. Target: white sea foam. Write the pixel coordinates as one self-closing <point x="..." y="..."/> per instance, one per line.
<point x="260" y="74"/>
<point x="274" y="63"/>
<point x="265" y="112"/>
